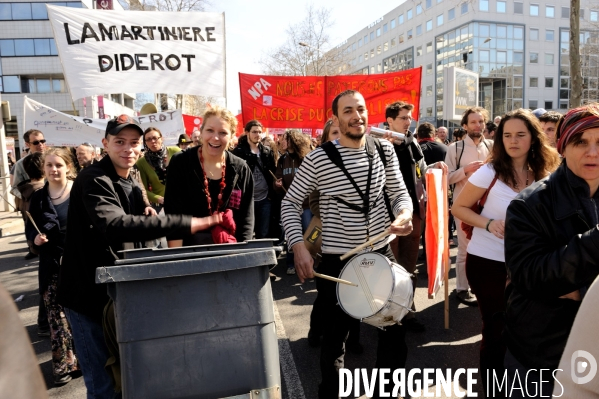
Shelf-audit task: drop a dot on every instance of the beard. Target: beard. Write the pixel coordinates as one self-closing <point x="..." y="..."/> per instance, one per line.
<point x="474" y="135"/>
<point x="345" y="131"/>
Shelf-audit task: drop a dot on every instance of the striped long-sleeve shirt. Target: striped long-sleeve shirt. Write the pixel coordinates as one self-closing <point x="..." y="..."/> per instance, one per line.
<point x="343" y="227"/>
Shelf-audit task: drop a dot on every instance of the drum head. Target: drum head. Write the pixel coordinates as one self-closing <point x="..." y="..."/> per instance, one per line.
<point x="372" y="272"/>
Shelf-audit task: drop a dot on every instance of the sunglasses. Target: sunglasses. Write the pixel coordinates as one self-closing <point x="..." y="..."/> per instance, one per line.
<point x="38" y="142"/>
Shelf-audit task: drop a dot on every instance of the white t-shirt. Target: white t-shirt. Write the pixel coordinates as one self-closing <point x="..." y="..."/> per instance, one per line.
<point x="483" y="243"/>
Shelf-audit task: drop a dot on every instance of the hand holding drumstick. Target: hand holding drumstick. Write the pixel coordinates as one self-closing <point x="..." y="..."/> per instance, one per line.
<point x="40" y="239"/>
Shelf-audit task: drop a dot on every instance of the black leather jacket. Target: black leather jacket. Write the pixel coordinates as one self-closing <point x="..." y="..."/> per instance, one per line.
<point x="551" y="249"/>
<point x="244" y="152"/>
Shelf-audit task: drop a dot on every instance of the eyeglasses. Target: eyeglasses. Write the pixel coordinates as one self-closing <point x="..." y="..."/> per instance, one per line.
<point x="38" y="142"/>
<point x="155" y="138"/>
<point x="405" y="118"/>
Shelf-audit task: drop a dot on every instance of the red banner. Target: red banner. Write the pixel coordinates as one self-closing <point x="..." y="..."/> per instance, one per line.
<point x="192" y="123"/>
<point x="305" y="101"/>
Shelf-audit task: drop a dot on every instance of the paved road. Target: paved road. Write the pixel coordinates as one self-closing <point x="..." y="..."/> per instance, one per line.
<point x="435" y="348"/>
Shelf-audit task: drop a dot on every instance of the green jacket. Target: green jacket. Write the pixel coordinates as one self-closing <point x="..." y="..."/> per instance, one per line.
<point x="150" y="178"/>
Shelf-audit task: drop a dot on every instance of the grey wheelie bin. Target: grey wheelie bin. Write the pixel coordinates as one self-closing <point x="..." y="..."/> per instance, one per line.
<point x="196" y="322"/>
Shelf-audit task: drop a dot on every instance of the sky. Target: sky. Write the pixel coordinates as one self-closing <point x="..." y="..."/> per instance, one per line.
<point x="252" y="28"/>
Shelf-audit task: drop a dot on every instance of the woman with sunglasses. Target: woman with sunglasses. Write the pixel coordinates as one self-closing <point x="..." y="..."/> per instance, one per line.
<point x="152" y="166"/>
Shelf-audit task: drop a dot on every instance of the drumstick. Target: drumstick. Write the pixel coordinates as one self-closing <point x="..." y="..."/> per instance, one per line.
<point x="372" y="241"/>
<point x="34" y="225"/>
<point x="273" y="175"/>
<point x="337" y="280"/>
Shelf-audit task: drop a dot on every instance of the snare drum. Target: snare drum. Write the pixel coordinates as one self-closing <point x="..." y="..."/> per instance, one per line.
<point x="384" y="294"/>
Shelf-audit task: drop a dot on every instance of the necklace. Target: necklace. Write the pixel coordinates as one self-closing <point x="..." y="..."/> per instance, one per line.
<point x="207" y="192"/>
<point x="525" y="184"/>
<point x="61" y="193"/>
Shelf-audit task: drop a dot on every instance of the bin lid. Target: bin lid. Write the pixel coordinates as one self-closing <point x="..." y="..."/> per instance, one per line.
<point x="185" y="267"/>
<point x="238" y="247"/>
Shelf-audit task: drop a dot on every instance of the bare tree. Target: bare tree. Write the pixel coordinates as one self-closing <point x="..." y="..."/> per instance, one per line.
<point x="575" y="66"/>
<point x="167" y="5"/>
<point x="310" y="58"/>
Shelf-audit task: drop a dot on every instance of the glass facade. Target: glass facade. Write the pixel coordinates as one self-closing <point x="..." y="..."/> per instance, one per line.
<point x="400" y="61"/>
<point x="30" y="11"/>
<point x="496" y="52"/>
<point x="589" y="61"/>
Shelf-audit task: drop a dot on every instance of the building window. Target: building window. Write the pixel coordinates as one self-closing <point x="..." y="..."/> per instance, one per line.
<point x="360" y="59"/>
<point x="29" y="11"/>
<point x="484" y="55"/>
<point x="372" y="53"/>
<point x="366" y="55"/>
<point x="549" y="35"/>
<point x="27" y="47"/>
<point x="21" y="11"/>
<point x="429" y="91"/>
<point x="429" y="47"/>
<point x="419" y="30"/>
<point x="371" y="36"/>
<point x="359" y="43"/>
<point x="534" y="58"/>
<point x="502" y="31"/>
<point x="42" y="85"/>
<point x="429" y="4"/>
<point x="518" y="57"/>
<point x="464" y="8"/>
<point x="401" y="38"/>
<point x="409" y="13"/>
<point x="11" y="84"/>
<point x="533" y="104"/>
<point x="418" y="51"/>
<point x="502" y="57"/>
<point x="550" y="11"/>
<point x="410" y="34"/>
<point x="378" y="49"/>
<point x="518" y="8"/>
<point x="501" y="7"/>
<point x="549" y="83"/>
<point x="429" y="69"/>
<point x="565" y="12"/>
<point x="393" y="42"/>
<point x="429" y="111"/>
<point x="365" y="39"/>
<point x="439" y="20"/>
<point x="534" y="10"/>
<point x="548" y="105"/>
<point x="372" y="70"/>
<point x="385" y="28"/>
<point x="518" y="32"/>
<point x="393" y="23"/>
<point x="534" y="82"/>
<point x="483" y="5"/>
<point x="534" y="34"/>
<point x="451" y="14"/>
<point x="378" y="32"/>
<point x="429" y="25"/>
<point x="594" y="16"/>
<point x="419" y="9"/>
<point x="549" y="59"/>
<point x="379" y="67"/>
<point x="400" y="19"/>
<point x="385" y="46"/>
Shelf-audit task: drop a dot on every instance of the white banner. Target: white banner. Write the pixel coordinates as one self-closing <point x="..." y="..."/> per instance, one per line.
<point x="70" y="131"/>
<point x="109" y="51"/>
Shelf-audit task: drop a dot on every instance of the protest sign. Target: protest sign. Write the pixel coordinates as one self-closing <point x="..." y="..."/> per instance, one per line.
<point x="66" y="130"/>
<point x="305" y="101"/>
<point x="109" y="51"/>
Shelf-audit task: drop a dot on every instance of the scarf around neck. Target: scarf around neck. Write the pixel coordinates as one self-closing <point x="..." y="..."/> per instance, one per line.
<point x="157" y="160"/>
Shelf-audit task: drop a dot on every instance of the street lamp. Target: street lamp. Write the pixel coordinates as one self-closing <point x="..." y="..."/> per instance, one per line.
<point x="487" y="40"/>
<point x="304" y="44"/>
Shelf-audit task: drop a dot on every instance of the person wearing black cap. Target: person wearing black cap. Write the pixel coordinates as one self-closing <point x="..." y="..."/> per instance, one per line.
<point x="184" y="141"/>
<point x="106" y="214"/>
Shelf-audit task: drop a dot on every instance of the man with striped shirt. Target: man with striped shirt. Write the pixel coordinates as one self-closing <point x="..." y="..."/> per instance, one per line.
<point x="345" y="227"/>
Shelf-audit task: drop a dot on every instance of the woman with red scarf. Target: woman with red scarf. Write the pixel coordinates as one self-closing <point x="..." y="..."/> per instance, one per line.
<point x="210" y="181"/>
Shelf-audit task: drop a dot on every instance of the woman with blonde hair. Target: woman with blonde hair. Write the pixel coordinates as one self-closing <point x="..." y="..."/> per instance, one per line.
<point x="48" y="208"/>
<point x="520" y="157"/>
<point x="209" y="181"/>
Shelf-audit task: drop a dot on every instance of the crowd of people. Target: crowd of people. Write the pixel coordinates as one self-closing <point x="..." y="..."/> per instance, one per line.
<point x="523" y="203"/>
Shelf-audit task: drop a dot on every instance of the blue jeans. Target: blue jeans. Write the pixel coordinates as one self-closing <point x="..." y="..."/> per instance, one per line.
<point x="261" y="218"/>
<point x="92" y="355"/>
<point x="306" y="218"/>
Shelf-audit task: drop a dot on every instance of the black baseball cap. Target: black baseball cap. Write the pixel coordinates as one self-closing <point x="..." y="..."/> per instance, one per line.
<point x="118" y="123"/>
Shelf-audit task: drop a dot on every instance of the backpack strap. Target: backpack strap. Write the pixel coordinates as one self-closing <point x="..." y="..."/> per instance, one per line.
<point x="379" y="147"/>
<point x="335" y="157"/>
